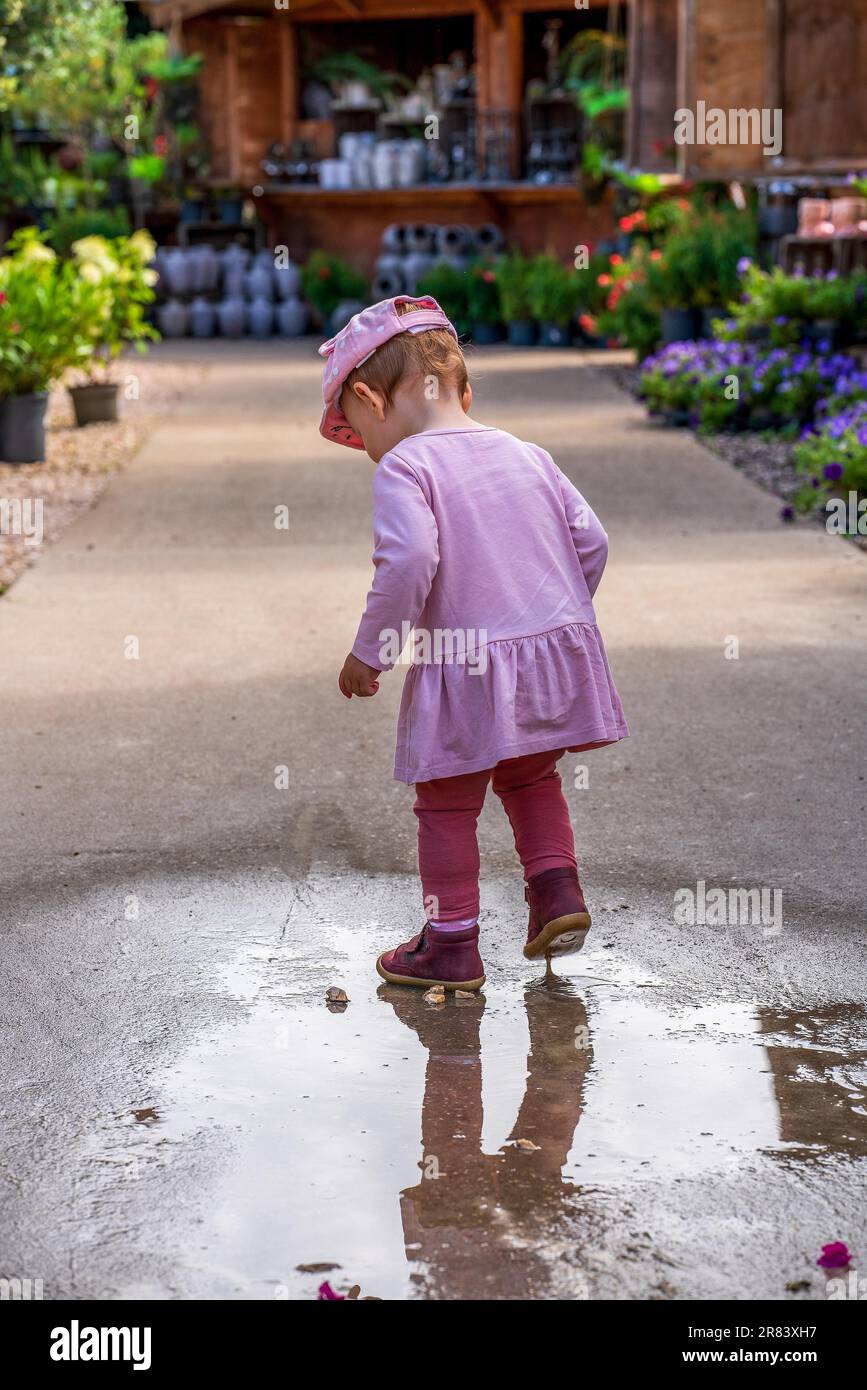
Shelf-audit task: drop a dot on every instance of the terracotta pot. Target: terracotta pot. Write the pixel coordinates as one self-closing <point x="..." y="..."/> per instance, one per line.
<point x="812" y="212"/>
<point x="846" y="213"/>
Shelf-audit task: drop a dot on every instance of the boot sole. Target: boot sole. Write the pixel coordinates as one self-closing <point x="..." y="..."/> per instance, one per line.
<point x="426" y="984"/>
<point x="562" y="937"/>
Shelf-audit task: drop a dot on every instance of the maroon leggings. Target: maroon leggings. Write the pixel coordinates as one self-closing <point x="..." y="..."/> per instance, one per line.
<point x="448" y="809"/>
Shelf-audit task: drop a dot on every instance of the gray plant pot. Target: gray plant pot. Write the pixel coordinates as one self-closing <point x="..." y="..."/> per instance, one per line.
<point x="173" y="319"/>
<point x="231" y="317"/>
<point x="454" y="240"/>
<point x="287" y="280"/>
<point x="415" y="267"/>
<point x="393" y="238"/>
<point x="95" y="403"/>
<point x="259" y="282"/>
<point x="387" y="283"/>
<point x="553" y="335"/>
<point x="484" y="334"/>
<point x="488" y="238"/>
<point x="22" y="427"/>
<point x="203" y="319"/>
<point x="260" y="318"/>
<point x="345" y="310"/>
<point x="291" y="318"/>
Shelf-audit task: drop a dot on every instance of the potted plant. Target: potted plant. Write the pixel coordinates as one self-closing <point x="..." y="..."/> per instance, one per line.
<point x="450" y="288"/>
<point x="230" y="204"/>
<point x="329" y="283"/>
<point x="552" y="291"/>
<point x="483" y="304"/>
<point x="119" y="285"/>
<point x="41" y="310"/>
<point x="512" y="272"/>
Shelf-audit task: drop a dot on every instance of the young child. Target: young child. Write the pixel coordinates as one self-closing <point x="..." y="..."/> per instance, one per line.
<point x="490" y="555"/>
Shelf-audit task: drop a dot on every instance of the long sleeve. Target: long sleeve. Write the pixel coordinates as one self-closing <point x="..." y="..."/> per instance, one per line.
<point x="405" y="559"/>
<point x="588" y="536"/>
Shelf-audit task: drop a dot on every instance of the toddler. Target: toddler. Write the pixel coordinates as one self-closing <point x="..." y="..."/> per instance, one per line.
<point x="490" y="557"/>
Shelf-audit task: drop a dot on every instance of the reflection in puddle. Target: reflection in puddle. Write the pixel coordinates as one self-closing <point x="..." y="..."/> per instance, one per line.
<point x="381" y="1141"/>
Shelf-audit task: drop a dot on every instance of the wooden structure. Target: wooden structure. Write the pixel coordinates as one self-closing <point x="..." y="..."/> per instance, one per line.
<point x="803" y="58"/>
<point x="251" y="96"/>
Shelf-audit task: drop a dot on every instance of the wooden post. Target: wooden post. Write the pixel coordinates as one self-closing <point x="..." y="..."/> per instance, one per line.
<point x="289" y="96"/>
<point x="500" y="71"/>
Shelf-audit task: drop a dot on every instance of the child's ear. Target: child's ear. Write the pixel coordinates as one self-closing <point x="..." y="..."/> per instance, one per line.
<point x="467" y="399"/>
<point x="374" y="400"/>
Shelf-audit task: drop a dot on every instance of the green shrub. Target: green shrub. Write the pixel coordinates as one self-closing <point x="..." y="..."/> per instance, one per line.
<point x="483" y="295"/>
<point x="552" y="291"/>
<point x="328" y="279"/>
<point x="451" y="289"/>
<point x="513" y="271"/>
<point x="65" y="228"/>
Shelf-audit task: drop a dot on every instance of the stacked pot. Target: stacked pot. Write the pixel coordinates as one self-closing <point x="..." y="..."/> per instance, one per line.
<point x="203" y="292"/>
<point x="411" y="249"/>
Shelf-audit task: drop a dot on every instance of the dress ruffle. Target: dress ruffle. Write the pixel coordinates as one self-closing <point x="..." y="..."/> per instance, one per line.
<point x="530" y="695"/>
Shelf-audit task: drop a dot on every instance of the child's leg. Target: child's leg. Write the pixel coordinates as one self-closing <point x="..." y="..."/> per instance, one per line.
<point x="531" y="793"/>
<point x="448" y="851"/>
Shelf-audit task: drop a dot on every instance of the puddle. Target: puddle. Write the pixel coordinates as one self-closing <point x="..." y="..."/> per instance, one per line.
<point x="381" y="1140"/>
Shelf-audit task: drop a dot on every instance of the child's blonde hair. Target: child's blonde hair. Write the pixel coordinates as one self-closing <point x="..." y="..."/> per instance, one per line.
<point x="431" y="353"/>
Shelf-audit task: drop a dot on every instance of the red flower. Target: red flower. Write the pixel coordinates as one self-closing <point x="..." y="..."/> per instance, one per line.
<point x="2" y="297"/>
<point x="615" y="260"/>
<point x="161" y="144"/>
<point x="603" y="280"/>
<point x="489" y="276"/>
<point x="656" y="255"/>
<point x="15" y="328"/>
<point x="587" y="322"/>
<point x="625" y="224"/>
<point x="325" y="272"/>
<point x="151" y="87"/>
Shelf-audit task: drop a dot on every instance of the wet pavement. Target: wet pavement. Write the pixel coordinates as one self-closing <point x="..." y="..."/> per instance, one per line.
<point x="679" y="1112"/>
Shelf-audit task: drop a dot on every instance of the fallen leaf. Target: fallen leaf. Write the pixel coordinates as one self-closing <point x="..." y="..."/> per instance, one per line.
<point x="335" y="995"/>
<point x="435" y="995"/>
<point x="527" y="1145"/>
<point x="354" y="1291"/>
<point x="465" y="994"/>
<point x="318" y="1267"/>
<point x="797" y="1285"/>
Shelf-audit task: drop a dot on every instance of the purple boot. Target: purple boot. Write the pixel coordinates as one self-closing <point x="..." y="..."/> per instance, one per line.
<point x="449" y="958"/>
<point x="559" y="920"/>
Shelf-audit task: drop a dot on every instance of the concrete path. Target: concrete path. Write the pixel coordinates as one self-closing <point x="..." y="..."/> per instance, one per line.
<point x="185" y="1117"/>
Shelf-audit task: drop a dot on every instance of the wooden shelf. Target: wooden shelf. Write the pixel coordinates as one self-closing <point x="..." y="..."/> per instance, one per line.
<point x="517" y="192"/>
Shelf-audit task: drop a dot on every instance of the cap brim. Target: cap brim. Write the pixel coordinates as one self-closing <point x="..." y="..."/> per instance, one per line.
<point x="335" y="426"/>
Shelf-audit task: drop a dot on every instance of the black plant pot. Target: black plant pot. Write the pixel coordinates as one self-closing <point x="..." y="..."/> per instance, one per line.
<point x="679" y="325"/>
<point x="554" y="335"/>
<point x="95" y="403"/>
<point x="22" y="427"/>
<point x="708" y="315"/>
<point x="678" y="418"/>
<point x="484" y="334"/>
<point x="827" y="331"/>
<point x="522" y="333"/>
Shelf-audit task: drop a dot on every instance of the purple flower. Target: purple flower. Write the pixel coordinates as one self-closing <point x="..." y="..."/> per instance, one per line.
<point x="743" y="265"/>
<point x="834" y="1256"/>
<point x="787" y="513"/>
<point x="832" y="471"/>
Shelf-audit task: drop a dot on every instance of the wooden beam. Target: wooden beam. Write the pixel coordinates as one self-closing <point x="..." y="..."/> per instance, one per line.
<point x="233" y="124"/>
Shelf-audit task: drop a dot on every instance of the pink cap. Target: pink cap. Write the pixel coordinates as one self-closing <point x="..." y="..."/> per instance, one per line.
<point x="359" y="340"/>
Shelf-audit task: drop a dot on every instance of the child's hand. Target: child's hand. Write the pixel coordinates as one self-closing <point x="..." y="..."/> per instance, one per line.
<point x="357" y="679"/>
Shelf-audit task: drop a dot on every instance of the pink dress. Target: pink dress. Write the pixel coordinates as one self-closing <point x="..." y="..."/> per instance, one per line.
<point x="486" y="550"/>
